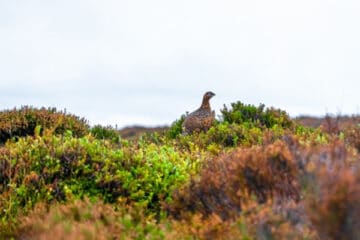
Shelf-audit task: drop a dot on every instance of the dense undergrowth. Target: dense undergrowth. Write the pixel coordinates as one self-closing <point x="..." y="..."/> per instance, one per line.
<point x="256" y="174"/>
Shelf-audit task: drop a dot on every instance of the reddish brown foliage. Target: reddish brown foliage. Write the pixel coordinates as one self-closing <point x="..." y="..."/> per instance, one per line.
<point x="228" y="181"/>
<point x="333" y="204"/>
<point x="352" y="137"/>
<point x="329" y="175"/>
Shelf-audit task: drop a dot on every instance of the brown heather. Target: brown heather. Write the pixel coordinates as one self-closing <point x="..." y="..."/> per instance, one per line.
<point x="295" y="191"/>
<point x="333" y="199"/>
<point x="227" y="182"/>
<point x="78" y="220"/>
<point x="334" y="208"/>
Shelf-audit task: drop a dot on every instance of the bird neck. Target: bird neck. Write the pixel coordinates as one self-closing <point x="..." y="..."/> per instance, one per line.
<point x="205" y="104"/>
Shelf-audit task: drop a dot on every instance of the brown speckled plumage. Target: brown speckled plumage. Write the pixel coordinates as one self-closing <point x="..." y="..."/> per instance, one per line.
<point x="201" y="119"/>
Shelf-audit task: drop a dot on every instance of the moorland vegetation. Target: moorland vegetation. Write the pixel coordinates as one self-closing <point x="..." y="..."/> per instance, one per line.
<point x="256" y="174"/>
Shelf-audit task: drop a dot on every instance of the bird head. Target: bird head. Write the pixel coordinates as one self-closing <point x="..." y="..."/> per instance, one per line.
<point x="209" y="95"/>
<point x="205" y="103"/>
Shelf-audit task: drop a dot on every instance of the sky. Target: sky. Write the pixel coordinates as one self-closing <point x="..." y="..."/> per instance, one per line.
<point x="141" y="62"/>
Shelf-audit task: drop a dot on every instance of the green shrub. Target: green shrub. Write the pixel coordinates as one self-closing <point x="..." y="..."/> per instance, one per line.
<point x="232" y="135"/>
<point x="22" y="122"/>
<point x="176" y="128"/>
<point x="224" y="135"/>
<point x="259" y="116"/>
<point x="100" y="132"/>
<point x="59" y="168"/>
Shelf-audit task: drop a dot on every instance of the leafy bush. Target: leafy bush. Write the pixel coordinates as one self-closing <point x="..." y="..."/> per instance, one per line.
<point x="52" y="168"/>
<point x="100" y="132"/>
<point x="22" y="122"/>
<point x="176" y="128"/>
<point x="240" y="125"/>
<point x="259" y="116"/>
<point x="232" y="135"/>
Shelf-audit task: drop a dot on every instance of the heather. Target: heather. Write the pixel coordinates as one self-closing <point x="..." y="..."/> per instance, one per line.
<point x="256" y="174"/>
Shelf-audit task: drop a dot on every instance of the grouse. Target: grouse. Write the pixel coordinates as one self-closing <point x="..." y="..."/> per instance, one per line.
<point x="201" y="119"/>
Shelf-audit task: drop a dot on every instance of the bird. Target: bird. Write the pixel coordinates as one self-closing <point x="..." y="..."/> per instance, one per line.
<point x="201" y="119"/>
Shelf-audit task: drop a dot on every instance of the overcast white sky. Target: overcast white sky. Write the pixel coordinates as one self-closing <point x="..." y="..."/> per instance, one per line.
<point x="129" y="62"/>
